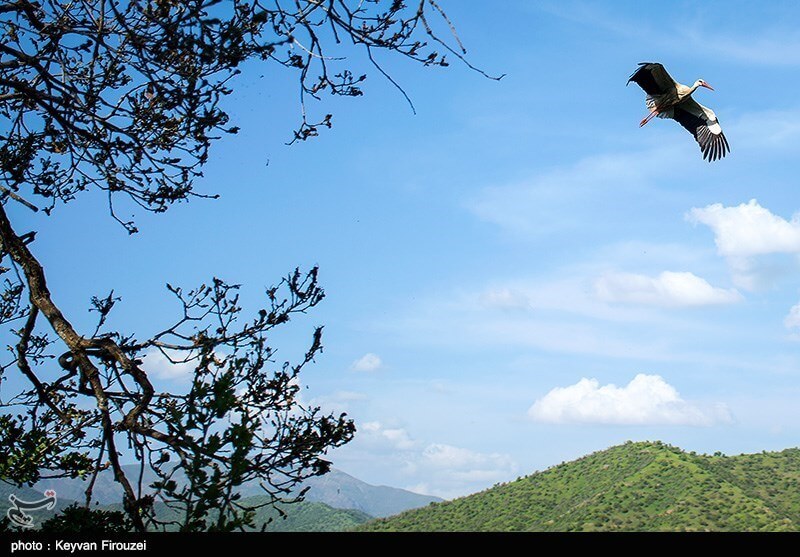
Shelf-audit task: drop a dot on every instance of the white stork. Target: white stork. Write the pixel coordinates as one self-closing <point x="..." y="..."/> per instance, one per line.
<point x="666" y="98"/>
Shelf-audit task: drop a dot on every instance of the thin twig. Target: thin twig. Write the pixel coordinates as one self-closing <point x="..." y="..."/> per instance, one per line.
<point x="5" y="192"/>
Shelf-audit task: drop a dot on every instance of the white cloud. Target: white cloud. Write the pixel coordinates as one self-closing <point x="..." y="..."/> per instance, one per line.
<point x="792" y="320"/>
<point x="570" y="318"/>
<point x="646" y="400"/>
<point x="397" y="437"/>
<point x="159" y="366"/>
<point x="748" y="229"/>
<point x="667" y="289"/>
<point x="746" y="235"/>
<point x="433" y="468"/>
<point x="367" y="362"/>
<point x="505" y="298"/>
<point x="468" y="465"/>
<point x="423" y="488"/>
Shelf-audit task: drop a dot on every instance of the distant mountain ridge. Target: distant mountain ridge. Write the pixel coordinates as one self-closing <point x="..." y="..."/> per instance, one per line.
<point x="335" y="489"/>
<point x="342" y="491"/>
<point x="632" y="487"/>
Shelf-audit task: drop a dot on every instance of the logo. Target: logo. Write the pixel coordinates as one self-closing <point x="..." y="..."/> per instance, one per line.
<point x="17" y="515"/>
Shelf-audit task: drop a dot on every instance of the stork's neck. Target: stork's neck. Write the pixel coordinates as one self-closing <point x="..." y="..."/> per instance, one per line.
<point x="685" y="90"/>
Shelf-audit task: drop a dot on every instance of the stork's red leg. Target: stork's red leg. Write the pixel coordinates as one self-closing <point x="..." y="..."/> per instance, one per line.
<point x="648" y="118"/>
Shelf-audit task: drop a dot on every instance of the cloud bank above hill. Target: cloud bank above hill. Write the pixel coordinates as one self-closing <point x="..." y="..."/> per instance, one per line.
<point x="646" y="400"/>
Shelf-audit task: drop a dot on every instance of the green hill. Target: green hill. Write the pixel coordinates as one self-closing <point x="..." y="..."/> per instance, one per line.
<point x="631" y="487"/>
<point x="312" y="517"/>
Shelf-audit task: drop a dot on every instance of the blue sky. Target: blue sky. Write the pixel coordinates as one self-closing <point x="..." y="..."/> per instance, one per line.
<point x="516" y="275"/>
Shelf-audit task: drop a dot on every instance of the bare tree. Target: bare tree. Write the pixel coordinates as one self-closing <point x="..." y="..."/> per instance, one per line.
<point x="124" y="98"/>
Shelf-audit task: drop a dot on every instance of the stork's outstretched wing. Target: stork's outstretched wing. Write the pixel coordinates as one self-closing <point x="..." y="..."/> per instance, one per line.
<point x="702" y="123"/>
<point x="653" y="78"/>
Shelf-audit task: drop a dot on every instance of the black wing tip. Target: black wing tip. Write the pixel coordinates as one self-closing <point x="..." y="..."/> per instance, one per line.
<point x="716" y="149"/>
<point x="643" y="64"/>
<point x="713" y="146"/>
<point x="637" y="70"/>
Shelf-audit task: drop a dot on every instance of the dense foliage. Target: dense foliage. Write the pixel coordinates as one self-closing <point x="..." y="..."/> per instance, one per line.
<point x="77" y="519"/>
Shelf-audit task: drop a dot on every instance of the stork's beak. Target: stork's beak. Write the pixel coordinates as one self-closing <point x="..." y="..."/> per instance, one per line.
<point x="707" y="86"/>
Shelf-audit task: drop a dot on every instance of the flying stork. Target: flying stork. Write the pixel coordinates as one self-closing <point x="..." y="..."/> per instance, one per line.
<point x="666" y="98"/>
